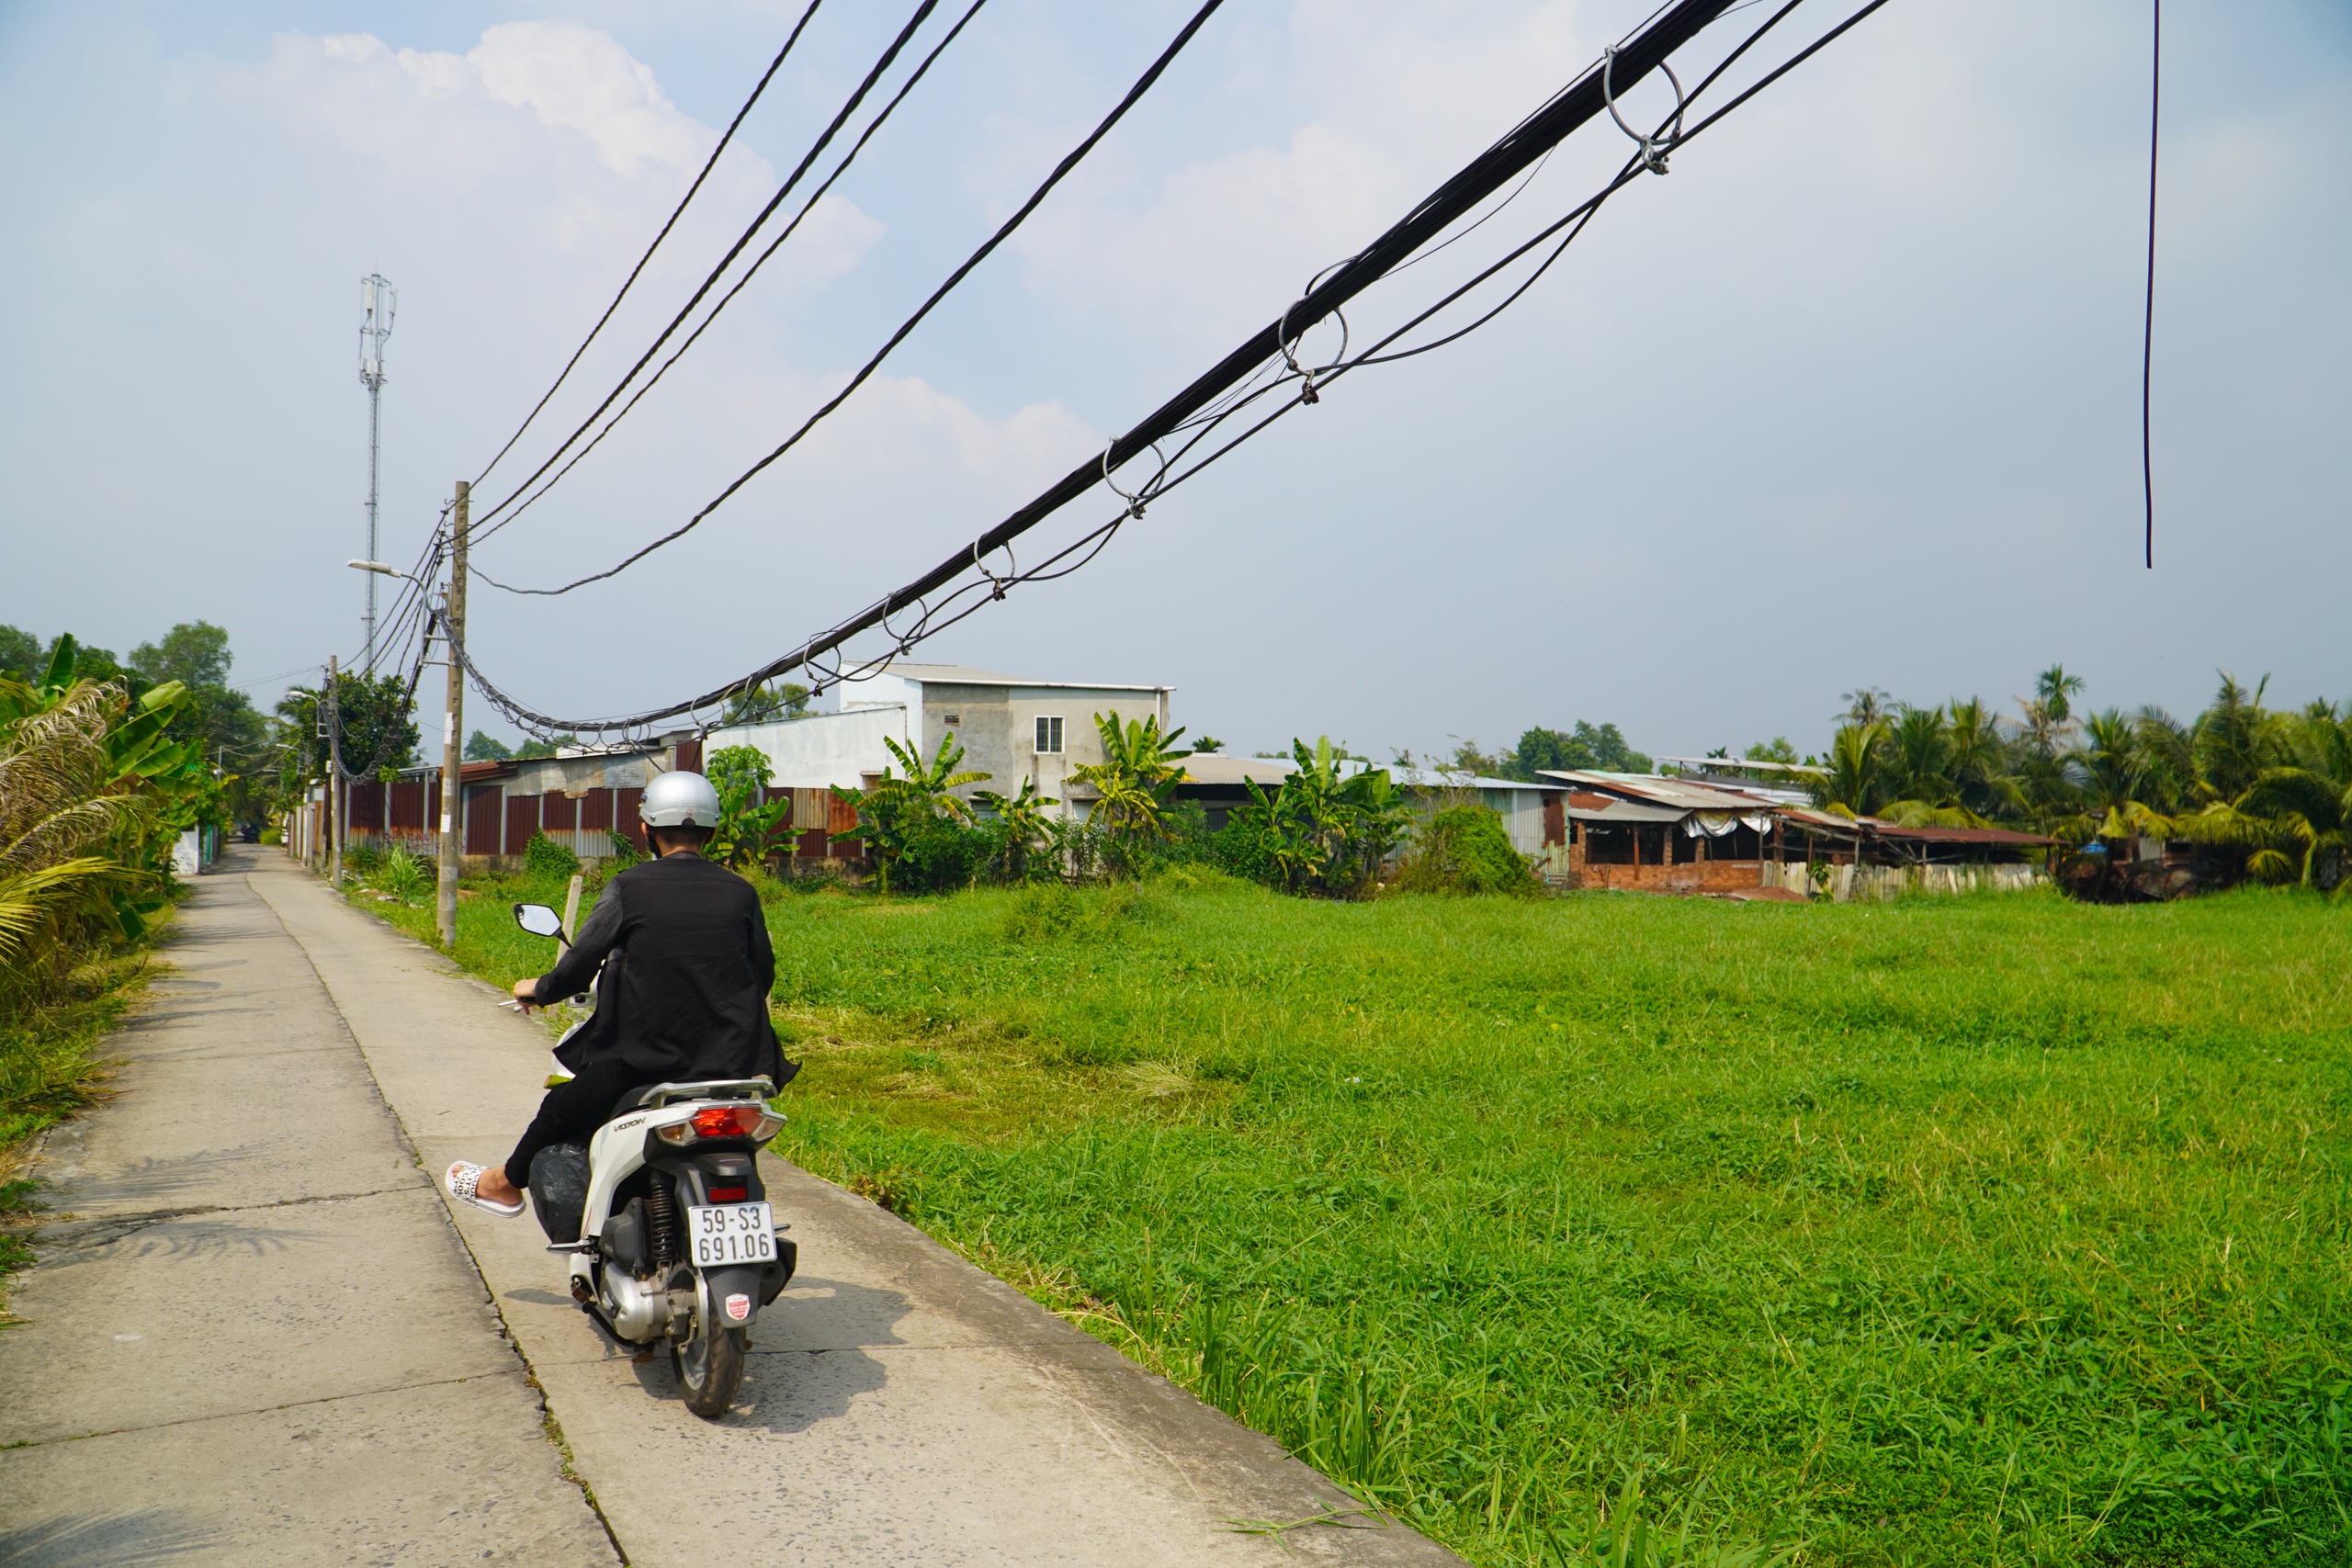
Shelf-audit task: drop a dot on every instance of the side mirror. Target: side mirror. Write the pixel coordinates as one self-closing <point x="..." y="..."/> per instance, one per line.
<point x="538" y="920"/>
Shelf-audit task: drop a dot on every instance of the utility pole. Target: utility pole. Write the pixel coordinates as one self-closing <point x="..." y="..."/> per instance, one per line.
<point x="334" y="779"/>
<point x="378" y="301"/>
<point x="452" y="723"/>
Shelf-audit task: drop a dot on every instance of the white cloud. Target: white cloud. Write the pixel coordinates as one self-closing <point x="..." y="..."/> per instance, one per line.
<point x="580" y="79"/>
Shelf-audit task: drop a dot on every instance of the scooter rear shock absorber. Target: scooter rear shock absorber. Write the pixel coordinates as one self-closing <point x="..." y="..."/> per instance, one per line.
<point x="661" y="1219"/>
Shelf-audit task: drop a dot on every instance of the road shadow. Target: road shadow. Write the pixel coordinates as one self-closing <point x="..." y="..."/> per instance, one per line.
<point x="808" y="1363"/>
<point x="103" y="1540"/>
<point x="149" y="1184"/>
<point x="537" y="1297"/>
<point x="167" y="1241"/>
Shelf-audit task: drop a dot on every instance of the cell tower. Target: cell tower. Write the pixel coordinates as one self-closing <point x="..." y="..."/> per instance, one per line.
<point x="378" y="300"/>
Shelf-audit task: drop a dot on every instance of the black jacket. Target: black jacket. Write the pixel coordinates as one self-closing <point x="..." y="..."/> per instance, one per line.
<point x="684" y="990"/>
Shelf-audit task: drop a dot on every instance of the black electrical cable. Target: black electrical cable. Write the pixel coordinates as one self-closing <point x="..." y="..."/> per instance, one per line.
<point x="2148" y="325"/>
<point x="922" y="13"/>
<point x="675" y="213"/>
<point x="1574" y="105"/>
<point x="749" y="273"/>
<point x="404" y="604"/>
<point x="1070" y="161"/>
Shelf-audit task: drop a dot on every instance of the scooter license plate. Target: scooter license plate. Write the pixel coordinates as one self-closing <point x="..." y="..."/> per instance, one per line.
<point x="732" y="1233"/>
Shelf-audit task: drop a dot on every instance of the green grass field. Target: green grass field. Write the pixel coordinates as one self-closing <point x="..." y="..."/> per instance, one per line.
<point x="1951" y="1231"/>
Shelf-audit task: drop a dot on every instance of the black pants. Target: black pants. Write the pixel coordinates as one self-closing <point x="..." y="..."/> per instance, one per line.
<point x="572" y="1111"/>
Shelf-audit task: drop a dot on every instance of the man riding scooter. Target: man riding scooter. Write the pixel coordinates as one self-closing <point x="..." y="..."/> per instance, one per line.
<point x="678" y="952"/>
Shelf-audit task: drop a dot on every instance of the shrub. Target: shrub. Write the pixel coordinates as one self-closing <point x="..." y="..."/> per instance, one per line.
<point x="405" y="875"/>
<point x="936" y="854"/>
<point x="1058" y="913"/>
<point x="362" y="860"/>
<point x="544" y="857"/>
<point x="1465" y="848"/>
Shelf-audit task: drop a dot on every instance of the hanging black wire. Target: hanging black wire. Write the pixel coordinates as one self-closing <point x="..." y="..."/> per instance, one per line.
<point x="923" y="11"/>
<point x="737" y="287"/>
<point x="1215" y="391"/>
<point x="1070" y="161"/>
<point x="675" y="212"/>
<point x="2148" y="324"/>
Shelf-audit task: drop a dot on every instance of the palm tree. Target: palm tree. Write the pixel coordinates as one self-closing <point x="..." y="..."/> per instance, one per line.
<point x="1856" y="786"/>
<point x="1918" y="757"/>
<point x="2112" y="769"/>
<point x="2297" y="819"/>
<point x="2235" y="741"/>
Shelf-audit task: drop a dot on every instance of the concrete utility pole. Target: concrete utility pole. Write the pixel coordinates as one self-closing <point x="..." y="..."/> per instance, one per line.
<point x="335" y="778"/>
<point x="452" y="723"/>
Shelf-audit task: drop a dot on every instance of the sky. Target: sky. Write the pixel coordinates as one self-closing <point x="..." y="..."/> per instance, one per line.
<point x="1850" y="398"/>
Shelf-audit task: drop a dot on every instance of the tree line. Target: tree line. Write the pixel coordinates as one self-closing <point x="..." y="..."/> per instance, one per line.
<point x="2266" y="790"/>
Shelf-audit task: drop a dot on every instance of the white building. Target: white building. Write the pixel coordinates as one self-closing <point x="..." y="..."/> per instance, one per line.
<point x="1010" y="727"/>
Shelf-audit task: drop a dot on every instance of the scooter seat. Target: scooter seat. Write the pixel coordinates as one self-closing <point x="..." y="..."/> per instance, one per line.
<point x="710" y="1088"/>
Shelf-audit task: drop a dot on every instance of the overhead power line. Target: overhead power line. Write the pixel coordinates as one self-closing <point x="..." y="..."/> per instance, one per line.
<point x="2148" y="324"/>
<point x="675" y="212"/>
<point x="749" y="273"/>
<point x="816" y="150"/>
<point x="1069" y="160"/>
<point x="1224" y="391"/>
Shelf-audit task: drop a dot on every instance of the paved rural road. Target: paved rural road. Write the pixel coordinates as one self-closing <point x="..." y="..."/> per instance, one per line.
<point x="258" y="1341"/>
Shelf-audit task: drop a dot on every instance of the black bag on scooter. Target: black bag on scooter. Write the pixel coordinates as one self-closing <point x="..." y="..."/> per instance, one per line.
<point x="559" y="1189"/>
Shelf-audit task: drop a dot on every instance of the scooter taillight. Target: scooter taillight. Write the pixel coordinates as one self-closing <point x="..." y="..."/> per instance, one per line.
<point x="730" y="1194"/>
<point x="724" y="1121"/>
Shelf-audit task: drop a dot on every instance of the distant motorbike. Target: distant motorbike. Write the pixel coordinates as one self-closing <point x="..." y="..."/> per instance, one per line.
<point x="665" y="1219"/>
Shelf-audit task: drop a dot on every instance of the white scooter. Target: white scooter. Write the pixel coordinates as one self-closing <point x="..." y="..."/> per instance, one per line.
<point x="666" y="1220"/>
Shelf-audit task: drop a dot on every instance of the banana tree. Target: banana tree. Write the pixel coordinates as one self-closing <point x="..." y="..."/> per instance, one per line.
<point x="747" y="819"/>
<point x="1023" y="820"/>
<point x="1328" y="830"/>
<point x="93" y="791"/>
<point x="1140" y="769"/>
<point x="899" y="807"/>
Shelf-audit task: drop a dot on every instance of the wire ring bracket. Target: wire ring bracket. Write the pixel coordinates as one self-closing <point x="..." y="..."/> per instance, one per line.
<point x="1150" y="487"/>
<point x="1654" y="151"/>
<point x="997" y="585"/>
<point x="1307" y="393"/>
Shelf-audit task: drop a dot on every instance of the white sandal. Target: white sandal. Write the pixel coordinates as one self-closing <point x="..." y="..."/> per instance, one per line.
<point x="461" y="1178"/>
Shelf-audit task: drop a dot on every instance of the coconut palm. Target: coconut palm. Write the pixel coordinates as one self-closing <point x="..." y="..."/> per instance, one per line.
<point x="2113" y="772"/>
<point x="1856" y="784"/>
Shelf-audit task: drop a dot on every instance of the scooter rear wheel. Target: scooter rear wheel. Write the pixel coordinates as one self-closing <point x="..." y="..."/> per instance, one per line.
<point x="710" y="1368"/>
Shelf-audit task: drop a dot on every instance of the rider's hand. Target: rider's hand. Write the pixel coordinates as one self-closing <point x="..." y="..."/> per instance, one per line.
<point x="527" y="993"/>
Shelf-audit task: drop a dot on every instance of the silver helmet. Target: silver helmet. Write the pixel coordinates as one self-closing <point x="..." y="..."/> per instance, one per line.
<point x="679" y="800"/>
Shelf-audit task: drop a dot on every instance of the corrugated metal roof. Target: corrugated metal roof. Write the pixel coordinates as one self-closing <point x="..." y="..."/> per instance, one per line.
<point x="1689" y="795"/>
<point x="1434" y="778"/>
<point x="1623" y="811"/>
<point x="1216" y="768"/>
<point x="1956" y="835"/>
<point x="965" y="675"/>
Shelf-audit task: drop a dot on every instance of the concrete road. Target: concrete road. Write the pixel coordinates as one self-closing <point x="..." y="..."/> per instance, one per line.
<point x="254" y="1336"/>
<point x="901" y="1406"/>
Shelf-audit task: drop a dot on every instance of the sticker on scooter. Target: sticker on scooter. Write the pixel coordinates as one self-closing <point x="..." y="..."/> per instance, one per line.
<point x="739" y="1308"/>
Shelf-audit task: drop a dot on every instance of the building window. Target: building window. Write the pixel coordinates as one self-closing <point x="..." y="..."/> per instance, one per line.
<point x="1050" y="736"/>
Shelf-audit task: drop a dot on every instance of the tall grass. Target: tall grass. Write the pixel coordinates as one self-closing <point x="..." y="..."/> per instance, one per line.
<point x="1619" y="1230"/>
<point x="1974" y="1229"/>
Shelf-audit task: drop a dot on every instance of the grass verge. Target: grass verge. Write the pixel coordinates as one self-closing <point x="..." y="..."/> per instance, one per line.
<point x="1980" y="1230"/>
<point x="49" y="1069"/>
